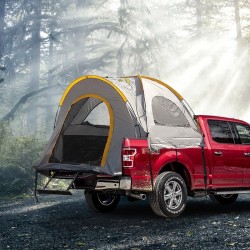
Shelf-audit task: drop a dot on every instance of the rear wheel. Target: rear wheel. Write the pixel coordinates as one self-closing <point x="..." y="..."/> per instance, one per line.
<point x="131" y="199"/>
<point x="101" y="202"/>
<point x="169" y="197"/>
<point x="224" y="199"/>
<point x="155" y="205"/>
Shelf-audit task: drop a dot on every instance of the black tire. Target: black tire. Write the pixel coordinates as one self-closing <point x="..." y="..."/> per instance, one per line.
<point x="131" y="199"/>
<point x="169" y="197"/>
<point x="155" y="205"/>
<point x="101" y="202"/>
<point x="225" y="199"/>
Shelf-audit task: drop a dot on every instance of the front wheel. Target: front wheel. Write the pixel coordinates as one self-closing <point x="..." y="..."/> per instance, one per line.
<point x="101" y="202"/>
<point x="169" y="197"/>
<point x="224" y="199"/>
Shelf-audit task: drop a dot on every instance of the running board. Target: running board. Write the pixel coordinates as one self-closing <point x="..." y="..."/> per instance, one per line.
<point x="232" y="192"/>
<point x="46" y="191"/>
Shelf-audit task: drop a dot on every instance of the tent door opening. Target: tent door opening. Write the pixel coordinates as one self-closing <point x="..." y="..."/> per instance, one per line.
<point x="85" y="138"/>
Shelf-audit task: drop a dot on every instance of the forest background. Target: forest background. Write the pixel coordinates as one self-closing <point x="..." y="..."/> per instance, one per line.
<point x="199" y="47"/>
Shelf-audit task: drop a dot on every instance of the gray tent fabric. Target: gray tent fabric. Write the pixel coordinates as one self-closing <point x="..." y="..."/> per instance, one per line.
<point x="177" y="128"/>
<point x="167" y="113"/>
<point x="97" y="113"/>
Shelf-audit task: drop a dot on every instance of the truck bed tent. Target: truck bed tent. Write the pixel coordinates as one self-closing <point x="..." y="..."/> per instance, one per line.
<point x="97" y="113"/>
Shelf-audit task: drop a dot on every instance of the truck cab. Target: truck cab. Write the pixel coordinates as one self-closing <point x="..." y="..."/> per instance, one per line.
<point x="228" y="141"/>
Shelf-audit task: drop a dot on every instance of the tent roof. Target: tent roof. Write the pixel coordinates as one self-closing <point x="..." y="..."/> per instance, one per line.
<point x="115" y="87"/>
<point x="165" y="85"/>
<point x="93" y="77"/>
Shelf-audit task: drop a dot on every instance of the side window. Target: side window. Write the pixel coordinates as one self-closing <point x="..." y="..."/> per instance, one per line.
<point x="165" y="112"/>
<point x="220" y="131"/>
<point x="244" y="133"/>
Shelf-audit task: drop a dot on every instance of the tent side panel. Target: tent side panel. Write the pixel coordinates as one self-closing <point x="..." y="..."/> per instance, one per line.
<point x="169" y="123"/>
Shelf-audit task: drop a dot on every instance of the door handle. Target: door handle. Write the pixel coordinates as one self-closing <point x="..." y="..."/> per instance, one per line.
<point x="247" y="154"/>
<point x="218" y="153"/>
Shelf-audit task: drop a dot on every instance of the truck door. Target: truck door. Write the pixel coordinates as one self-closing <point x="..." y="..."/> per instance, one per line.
<point x="226" y="156"/>
<point x="243" y="131"/>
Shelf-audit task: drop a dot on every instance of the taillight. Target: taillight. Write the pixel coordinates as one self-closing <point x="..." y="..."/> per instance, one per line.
<point x="128" y="157"/>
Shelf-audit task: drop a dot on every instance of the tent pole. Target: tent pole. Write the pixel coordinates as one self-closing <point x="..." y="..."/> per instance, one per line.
<point x="51" y="177"/>
<point x="71" y="183"/>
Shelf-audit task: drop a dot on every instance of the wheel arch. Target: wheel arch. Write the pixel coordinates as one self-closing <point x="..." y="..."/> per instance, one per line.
<point x="180" y="169"/>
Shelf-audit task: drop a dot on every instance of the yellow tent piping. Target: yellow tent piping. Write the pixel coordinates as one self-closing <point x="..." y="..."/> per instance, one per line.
<point x="165" y="85"/>
<point x="111" y="127"/>
<point x="91" y="77"/>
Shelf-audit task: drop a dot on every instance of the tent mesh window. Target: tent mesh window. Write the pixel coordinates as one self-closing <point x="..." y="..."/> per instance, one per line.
<point x="167" y="113"/>
<point x="85" y="138"/>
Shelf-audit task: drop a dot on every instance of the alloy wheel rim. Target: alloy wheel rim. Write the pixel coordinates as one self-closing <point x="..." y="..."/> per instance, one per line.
<point x="105" y="199"/>
<point x="226" y="196"/>
<point x="173" y="194"/>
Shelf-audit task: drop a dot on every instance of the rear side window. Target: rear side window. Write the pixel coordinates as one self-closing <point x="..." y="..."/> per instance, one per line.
<point x="165" y="112"/>
<point x="220" y="131"/>
<point x="244" y="133"/>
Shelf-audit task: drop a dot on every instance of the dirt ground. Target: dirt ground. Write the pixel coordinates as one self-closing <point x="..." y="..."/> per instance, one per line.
<point x="65" y="222"/>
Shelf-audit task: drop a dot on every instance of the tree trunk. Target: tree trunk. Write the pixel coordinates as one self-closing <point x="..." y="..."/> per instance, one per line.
<point x="51" y="61"/>
<point x="35" y="62"/>
<point x="198" y="18"/>
<point x="120" y="53"/>
<point x="78" y="42"/>
<point x="77" y="55"/>
<point x="237" y="20"/>
<point x="51" y="44"/>
<point x="2" y="23"/>
<point x="35" y="47"/>
<point x="49" y="112"/>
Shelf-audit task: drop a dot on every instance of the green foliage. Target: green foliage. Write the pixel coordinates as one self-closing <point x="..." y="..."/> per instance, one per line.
<point x="18" y="155"/>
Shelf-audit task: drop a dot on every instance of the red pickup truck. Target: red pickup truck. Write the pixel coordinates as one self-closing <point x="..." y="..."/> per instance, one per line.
<point x="219" y="168"/>
<point x="158" y="150"/>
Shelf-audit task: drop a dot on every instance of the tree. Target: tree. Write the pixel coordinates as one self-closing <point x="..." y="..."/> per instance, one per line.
<point x="237" y="20"/>
<point x="198" y="17"/>
<point x="2" y="23"/>
<point x="35" y="58"/>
